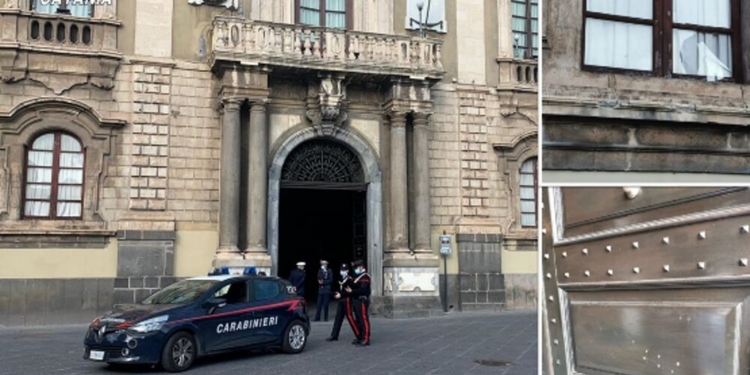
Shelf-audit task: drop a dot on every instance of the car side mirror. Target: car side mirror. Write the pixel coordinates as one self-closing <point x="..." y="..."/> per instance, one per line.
<point x="214" y="303"/>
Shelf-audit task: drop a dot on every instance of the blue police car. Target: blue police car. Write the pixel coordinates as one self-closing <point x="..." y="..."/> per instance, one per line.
<point x="200" y="316"/>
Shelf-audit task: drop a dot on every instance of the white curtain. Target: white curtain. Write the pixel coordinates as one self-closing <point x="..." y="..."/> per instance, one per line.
<point x="68" y="209"/>
<point x="618" y="45"/>
<point x="70" y="176"/>
<point x="45" y="142"/>
<point x="70" y="144"/>
<point x="307" y="16"/>
<point x="80" y="10"/>
<point x="628" y="8"/>
<point x="336" y="19"/>
<point x="45" y="6"/>
<point x="36" y="208"/>
<point x="68" y="160"/>
<point x="716" y="13"/>
<point x="703" y="54"/>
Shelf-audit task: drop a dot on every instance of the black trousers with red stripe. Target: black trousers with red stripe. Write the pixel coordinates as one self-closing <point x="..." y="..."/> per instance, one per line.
<point x="344" y="309"/>
<point x="362" y="312"/>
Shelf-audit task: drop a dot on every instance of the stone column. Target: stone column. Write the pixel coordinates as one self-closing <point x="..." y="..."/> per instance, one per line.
<point x="421" y="182"/>
<point x="258" y="178"/>
<point x="399" y="242"/>
<point x="229" y="214"/>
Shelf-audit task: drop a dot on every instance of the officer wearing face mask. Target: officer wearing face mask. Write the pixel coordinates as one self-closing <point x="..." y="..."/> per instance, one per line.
<point x="325" y="278"/>
<point x="360" y="294"/>
<point x="297" y="278"/>
<point x="344" y="307"/>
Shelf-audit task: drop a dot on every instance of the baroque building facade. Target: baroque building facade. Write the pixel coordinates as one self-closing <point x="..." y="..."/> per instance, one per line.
<point x="144" y="141"/>
<point x="653" y="88"/>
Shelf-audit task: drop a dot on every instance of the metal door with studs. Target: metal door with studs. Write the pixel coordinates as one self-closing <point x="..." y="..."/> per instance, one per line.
<point x="646" y="281"/>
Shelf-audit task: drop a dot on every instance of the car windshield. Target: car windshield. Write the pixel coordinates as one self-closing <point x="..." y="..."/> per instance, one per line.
<point x="179" y="293"/>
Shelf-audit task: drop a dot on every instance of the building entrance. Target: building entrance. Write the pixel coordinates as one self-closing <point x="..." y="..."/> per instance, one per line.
<point x="321" y="210"/>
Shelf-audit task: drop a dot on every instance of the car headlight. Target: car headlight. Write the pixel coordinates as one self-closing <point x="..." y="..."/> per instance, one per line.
<point x="150" y="325"/>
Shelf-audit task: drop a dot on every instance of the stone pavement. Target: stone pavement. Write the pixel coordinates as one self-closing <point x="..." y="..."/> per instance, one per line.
<point x="447" y="345"/>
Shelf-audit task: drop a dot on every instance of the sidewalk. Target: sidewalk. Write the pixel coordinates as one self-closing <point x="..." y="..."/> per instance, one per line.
<point x="448" y="345"/>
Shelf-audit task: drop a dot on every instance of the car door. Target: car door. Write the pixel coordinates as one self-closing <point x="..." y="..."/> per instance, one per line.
<point x="646" y="281"/>
<point x="227" y="326"/>
<point x="271" y="314"/>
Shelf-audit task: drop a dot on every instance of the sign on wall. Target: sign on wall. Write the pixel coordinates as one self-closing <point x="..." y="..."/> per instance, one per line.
<point x="432" y="17"/>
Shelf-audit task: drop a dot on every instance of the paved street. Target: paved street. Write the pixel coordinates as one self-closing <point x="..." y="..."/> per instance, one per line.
<point x="449" y="345"/>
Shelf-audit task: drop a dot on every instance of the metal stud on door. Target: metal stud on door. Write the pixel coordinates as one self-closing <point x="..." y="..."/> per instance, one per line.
<point x="663" y="287"/>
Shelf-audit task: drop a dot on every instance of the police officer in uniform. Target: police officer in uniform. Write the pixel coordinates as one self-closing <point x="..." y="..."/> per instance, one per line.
<point x="344" y="307"/>
<point x="297" y="278"/>
<point x="325" y="278"/>
<point x="360" y="293"/>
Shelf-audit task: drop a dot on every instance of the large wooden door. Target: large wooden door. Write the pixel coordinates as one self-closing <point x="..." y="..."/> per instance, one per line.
<point x="656" y="283"/>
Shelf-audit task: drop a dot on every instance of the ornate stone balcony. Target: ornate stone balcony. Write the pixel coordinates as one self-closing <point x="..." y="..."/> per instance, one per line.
<point x="517" y="74"/>
<point x="306" y="48"/>
<point x="81" y="48"/>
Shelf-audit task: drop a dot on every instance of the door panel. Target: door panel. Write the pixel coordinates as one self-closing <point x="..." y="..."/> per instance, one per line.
<point x="616" y="210"/>
<point x="664" y="295"/>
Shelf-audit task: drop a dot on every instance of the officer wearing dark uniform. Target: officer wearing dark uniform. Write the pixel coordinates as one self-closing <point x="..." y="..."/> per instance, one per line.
<point x="325" y="278"/>
<point x="297" y="278"/>
<point x="344" y="306"/>
<point x="360" y="293"/>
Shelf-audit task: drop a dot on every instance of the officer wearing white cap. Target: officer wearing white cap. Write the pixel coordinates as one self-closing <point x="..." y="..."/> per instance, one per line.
<point x="297" y="278"/>
<point x="325" y="278"/>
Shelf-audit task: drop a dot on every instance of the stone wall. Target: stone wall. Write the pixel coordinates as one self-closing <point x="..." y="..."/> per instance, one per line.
<point x="481" y="282"/>
<point x="35" y="302"/>
<point x="145" y="262"/>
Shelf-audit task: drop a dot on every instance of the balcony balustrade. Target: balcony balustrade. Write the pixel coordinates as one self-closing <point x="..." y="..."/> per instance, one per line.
<point x="300" y="47"/>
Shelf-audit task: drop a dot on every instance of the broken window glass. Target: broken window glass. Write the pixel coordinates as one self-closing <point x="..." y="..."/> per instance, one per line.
<point x="618" y="44"/>
<point x="702" y="54"/>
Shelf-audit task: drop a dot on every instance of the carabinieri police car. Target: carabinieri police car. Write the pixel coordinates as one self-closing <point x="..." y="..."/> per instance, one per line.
<point x="200" y="316"/>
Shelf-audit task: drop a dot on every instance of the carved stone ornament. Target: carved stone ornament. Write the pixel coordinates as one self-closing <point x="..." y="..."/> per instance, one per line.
<point x="330" y="104"/>
<point x="230" y="4"/>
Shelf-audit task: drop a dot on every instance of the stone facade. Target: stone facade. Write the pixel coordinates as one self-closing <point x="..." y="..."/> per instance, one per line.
<point x="184" y="150"/>
<point x="608" y="120"/>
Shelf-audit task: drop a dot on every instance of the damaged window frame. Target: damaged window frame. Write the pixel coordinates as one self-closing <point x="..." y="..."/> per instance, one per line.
<point x="663" y="27"/>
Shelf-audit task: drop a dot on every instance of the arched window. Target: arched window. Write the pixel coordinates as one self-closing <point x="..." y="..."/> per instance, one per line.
<point x="528" y="193"/>
<point x="53" y="186"/>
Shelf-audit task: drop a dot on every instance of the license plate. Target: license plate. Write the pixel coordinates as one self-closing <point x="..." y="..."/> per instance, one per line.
<point x="96" y="355"/>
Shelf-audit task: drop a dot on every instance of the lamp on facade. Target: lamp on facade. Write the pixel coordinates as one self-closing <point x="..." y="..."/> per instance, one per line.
<point x="515" y="45"/>
<point x="424" y="24"/>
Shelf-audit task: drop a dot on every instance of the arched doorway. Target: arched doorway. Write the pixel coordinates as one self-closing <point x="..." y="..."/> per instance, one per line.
<point x="322" y="209"/>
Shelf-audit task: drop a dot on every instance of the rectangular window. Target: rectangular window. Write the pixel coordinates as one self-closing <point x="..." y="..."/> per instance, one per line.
<point x="525" y="25"/>
<point x="528" y="185"/>
<point x="73" y="8"/>
<point x="695" y="37"/>
<point x="325" y="13"/>
<point x="619" y="34"/>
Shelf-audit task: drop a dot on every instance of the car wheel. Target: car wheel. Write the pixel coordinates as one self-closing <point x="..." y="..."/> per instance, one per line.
<point x="295" y="338"/>
<point x="179" y="353"/>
